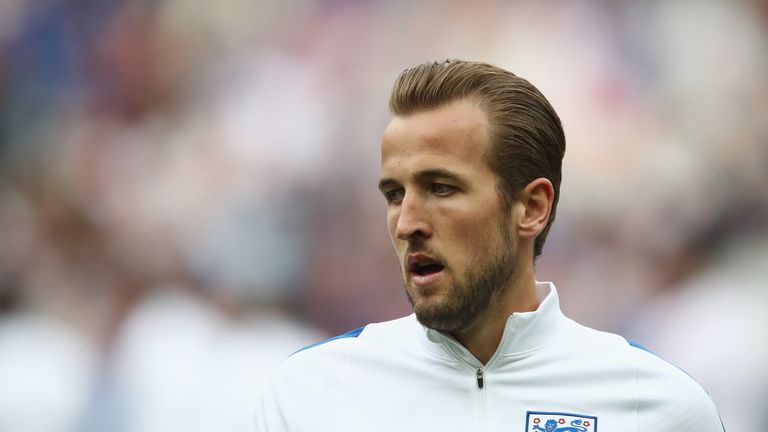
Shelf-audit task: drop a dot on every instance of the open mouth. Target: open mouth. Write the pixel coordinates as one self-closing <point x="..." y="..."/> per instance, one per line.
<point x="423" y="265"/>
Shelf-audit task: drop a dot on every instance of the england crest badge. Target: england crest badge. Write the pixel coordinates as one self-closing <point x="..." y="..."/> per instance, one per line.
<point x="540" y="421"/>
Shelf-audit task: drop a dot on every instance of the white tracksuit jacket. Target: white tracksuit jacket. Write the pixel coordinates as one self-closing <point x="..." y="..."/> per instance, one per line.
<point x="549" y="374"/>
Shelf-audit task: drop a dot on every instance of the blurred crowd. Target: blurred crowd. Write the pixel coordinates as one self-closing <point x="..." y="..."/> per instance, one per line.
<point x="187" y="190"/>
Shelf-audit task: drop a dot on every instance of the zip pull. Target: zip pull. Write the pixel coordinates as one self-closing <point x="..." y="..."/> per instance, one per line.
<point x="479" y="378"/>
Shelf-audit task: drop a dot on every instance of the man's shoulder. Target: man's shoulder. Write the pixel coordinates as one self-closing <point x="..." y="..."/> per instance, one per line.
<point x="662" y="392"/>
<point x="654" y="373"/>
<point x="646" y="366"/>
<point x="374" y="336"/>
<point x="327" y="376"/>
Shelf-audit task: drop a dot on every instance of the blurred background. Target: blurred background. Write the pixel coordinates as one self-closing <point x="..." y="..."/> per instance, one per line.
<point x="188" y="190"/>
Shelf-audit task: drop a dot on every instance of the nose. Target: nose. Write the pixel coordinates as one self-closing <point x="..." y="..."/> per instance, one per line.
<point x="413" y="220"/>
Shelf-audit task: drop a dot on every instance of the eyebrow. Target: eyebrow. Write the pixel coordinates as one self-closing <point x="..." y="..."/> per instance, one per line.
<point x="423" y="174"/>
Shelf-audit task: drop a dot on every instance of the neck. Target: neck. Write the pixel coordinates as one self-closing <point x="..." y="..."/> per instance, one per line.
<point x="483" y="337"/>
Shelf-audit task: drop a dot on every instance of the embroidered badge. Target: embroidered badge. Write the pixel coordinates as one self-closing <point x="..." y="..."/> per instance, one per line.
<point x="539" y="421"/>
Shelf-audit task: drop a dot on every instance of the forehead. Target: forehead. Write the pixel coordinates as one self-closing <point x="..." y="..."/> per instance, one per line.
<point x="456" y="133"/>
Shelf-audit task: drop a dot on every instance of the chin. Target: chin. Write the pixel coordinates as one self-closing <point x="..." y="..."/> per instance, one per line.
<point x="427" y="296"/>
<point x="426" y="303"/>
<point x="437" y="318"/>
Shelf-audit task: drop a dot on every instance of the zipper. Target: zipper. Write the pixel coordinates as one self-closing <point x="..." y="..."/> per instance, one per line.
<point x="480" y="379"/>
<point x="482" y="394"/>
<point x="462" y="354"/>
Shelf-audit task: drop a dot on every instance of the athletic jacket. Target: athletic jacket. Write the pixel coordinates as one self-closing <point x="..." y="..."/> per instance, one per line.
<point x="549" y="374"/>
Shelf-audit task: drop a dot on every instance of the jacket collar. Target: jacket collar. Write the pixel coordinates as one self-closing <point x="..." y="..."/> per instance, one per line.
<point x="523" y="332"/>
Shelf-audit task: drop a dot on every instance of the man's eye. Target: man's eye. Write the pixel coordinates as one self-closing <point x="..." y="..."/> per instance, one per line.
<point x="394" y="195"/>
<point x="442" y="189"/>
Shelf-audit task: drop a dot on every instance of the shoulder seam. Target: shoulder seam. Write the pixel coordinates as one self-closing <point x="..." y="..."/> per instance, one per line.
<point x="350" y="334"/>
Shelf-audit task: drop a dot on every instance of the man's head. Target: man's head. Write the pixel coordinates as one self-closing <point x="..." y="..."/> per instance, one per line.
<point x="526" y="137"/>
<point x="467" y="186"/>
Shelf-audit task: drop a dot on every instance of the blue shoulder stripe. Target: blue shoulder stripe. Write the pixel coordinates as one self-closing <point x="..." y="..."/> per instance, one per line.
<point x="350" y="334"/>
<point x="637" y="345"/>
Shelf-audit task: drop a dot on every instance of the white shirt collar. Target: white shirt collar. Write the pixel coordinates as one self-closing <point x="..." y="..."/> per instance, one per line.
<point x="523" y="332"/>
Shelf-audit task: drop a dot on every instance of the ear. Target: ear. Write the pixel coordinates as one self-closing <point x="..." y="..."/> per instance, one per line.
<point x="536" y="201"/>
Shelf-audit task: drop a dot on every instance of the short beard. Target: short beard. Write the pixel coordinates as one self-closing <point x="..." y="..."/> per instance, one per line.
<point x="470" y="296"/>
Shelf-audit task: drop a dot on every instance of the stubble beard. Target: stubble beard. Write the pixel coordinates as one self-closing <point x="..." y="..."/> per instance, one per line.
<point x="470" y="295"/>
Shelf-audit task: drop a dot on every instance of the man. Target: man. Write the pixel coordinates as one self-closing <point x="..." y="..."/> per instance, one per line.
<point x="470" y="169"/>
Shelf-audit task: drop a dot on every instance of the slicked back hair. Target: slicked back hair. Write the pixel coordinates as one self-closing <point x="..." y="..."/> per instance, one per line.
<point x="527" y="140"/>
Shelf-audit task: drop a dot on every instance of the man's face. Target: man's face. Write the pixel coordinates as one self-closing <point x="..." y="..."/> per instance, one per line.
<point x="448" y="226"/>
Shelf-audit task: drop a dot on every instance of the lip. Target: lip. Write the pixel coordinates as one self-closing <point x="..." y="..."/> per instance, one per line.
<point x="425" y="280"/>
<point x="415" y="259"/>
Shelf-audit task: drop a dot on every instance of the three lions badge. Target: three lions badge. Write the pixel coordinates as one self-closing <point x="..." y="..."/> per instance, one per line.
<point x="540" y="421"/>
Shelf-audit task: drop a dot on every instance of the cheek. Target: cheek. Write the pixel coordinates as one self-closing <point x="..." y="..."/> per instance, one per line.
<point x="473" y="230"/>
